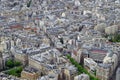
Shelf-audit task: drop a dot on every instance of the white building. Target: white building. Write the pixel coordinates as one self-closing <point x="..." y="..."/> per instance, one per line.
<point x="3" y="46"/>
<point x="82" y="77"/>
<point x="90" y="64"/>
<point x="111" y="58"/>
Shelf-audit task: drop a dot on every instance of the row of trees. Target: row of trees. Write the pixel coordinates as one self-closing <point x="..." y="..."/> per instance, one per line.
<point x="80" y="68"/>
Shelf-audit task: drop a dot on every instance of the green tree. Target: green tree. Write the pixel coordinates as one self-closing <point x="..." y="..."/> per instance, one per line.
<point x="19" y="69"/>
<point x="10" y="63"/>
<point x="16" y="63"/>
<point x="15" y="71"/>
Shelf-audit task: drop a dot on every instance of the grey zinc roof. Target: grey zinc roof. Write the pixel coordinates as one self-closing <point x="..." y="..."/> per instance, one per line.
<point x="105" y="65"/>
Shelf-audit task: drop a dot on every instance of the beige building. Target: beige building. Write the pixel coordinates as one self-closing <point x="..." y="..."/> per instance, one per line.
<point x="104" y="71"/>
<point x="77" y="54"/>
<point x="30" y="73"/>
<point x="100" y="27"/>
<point x="66" y="74"/>
<point x="3" y="46"/>
<point x="111" y="58"/>
<point x="111" y="30"/>
<point x="90" y="65"/>
<point x="34" y="63"/>
<point x="23" y="58"/>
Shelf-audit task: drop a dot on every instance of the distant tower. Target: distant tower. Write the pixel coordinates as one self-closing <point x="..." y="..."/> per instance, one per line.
<point x="1" y="61"/>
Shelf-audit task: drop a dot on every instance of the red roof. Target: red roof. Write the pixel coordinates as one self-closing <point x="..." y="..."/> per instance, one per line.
<point x="27" y="28"/>
<point x="16" y="27"/>
<point x="99" y="51"/>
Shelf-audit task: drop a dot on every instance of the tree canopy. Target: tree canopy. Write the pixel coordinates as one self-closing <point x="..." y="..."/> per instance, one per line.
<point x="113" y="37"/>
<point x="12" y="63"/>
<point x="15" y="71"/>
